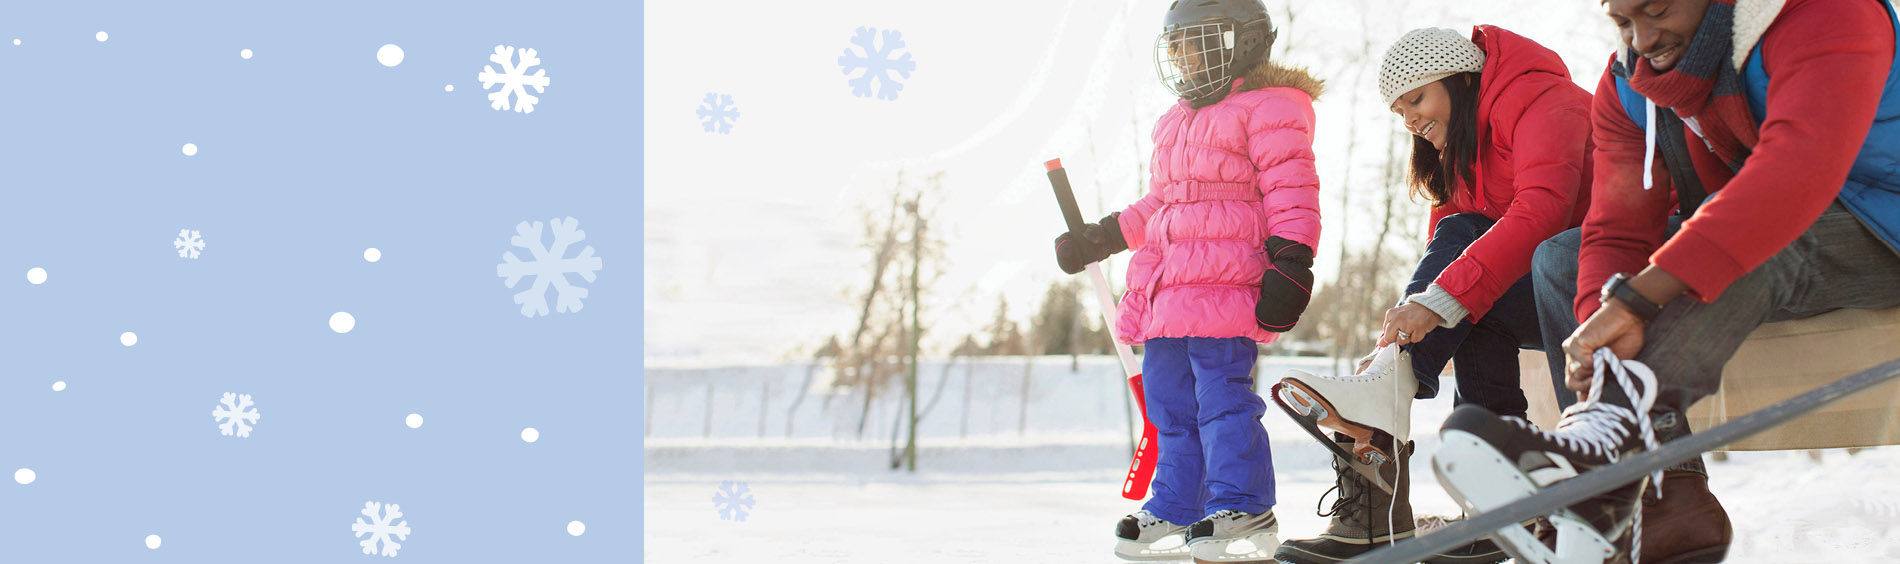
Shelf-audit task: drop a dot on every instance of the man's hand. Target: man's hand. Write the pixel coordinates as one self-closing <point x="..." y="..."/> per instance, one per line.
<point x="1408" y="323"/>
<point x="1616" y="326"/>
<point x="1613" y="326"/>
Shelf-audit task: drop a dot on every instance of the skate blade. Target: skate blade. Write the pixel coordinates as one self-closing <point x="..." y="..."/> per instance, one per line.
<point x="1318" y="417"/>
<point x="1236" y="550"/>
<point x="1480" y="479"/>
<point x="1139" y="552"/>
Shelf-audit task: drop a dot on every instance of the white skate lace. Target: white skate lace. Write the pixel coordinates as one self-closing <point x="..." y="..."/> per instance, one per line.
<point x="1430" y="524"/>
<point x="1596" y="428"/>
<point x="1144" y="519"/>
<point x="1232" y="515"/>
<point x="1391" y="357"/>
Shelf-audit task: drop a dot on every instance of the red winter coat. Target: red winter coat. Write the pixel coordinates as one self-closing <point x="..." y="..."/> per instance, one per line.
<point x="1533" y="170"/>
<point x="1829" y="61"/>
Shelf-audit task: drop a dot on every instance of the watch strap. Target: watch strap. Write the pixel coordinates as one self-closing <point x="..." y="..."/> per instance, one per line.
<point x="1641" y="306"/>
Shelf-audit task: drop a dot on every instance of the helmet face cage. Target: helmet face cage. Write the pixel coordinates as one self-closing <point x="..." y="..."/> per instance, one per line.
<point x="1196" y="61"/>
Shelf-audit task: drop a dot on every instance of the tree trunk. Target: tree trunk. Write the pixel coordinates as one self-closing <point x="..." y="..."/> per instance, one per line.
<point x="916" y="327"/>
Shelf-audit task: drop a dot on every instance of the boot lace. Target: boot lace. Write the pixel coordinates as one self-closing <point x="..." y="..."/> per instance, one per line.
<point x="1354" y="500"/>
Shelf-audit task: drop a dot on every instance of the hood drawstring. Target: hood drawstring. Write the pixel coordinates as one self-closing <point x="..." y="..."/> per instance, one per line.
<point x="1649" y="143"/>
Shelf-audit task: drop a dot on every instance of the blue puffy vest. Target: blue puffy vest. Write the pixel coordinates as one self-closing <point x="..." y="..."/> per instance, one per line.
<point x="1872" y="190"/>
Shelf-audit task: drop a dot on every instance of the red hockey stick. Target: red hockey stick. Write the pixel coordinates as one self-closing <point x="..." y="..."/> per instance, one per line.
<point x="1141" y="470"/>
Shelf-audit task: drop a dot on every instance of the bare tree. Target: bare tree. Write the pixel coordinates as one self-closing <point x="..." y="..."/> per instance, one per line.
<point x="886" y="345"/>
<point x="829" y="351"/>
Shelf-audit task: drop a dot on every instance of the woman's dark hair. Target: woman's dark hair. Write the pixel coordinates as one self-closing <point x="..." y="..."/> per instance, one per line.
<point x="1435" y="173"/>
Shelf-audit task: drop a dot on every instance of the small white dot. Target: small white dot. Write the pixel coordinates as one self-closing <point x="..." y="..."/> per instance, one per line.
<point x="101" y="36"/>
<point x="448" y="88"/>
<point x="16" y="42"/>
<point x="342" y="322"/>
<point x="576" y="528"/>
<point x="372" y="255"/>
<point x="191" y="149"/>
<point x="36" y="275"/>
<point x="390" y="55"/>
<point x="152" y="541"/>
<point x="24" y="476"/>
<point x="128" y="338"/>
<point x="414" y="421"/>
<point x="59" y="386"/>
<point x="246" y="54"/>
<point x="530" y="434"/>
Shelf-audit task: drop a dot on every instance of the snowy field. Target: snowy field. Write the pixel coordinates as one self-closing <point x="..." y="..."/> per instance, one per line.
<point x="1047" y="489"/>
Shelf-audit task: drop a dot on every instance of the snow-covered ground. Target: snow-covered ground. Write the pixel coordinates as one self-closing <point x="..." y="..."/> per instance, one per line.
<point x="1049" y="491"/>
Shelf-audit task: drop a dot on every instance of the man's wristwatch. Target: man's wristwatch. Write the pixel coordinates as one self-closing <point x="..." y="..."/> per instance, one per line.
<point x="1618" y="288"/>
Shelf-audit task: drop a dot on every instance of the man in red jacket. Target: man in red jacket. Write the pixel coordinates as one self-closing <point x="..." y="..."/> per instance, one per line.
<point x="1723" y="218"/>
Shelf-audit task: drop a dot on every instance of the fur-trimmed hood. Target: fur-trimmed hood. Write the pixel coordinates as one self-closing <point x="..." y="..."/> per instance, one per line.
<point x="1273" y="75"/>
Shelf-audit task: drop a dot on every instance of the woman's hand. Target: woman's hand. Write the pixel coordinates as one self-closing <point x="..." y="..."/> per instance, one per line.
<point x="1408" y="324"/>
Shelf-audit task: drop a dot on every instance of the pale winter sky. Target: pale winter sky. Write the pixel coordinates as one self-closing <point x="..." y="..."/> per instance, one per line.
<point x="753" y="238"/>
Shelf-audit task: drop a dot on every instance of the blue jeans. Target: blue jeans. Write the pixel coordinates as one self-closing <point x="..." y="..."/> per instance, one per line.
<point x="1214" y="452"/>
<point x="1483" y="354"/>
<point x="1836" y="264"/>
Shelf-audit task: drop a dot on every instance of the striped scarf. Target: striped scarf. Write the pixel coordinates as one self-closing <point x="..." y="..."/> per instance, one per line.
<point x="1705" y="88"/>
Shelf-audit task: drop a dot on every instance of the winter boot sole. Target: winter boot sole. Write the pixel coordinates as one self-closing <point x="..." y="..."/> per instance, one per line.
<point x="1493" y="555"/>
<point x="1145" y="552"/>
<point x="1481" y="479"/>
<point x="1711" y="555"/>
<point x="1317" y="417"/>
<point x="1334" y="552"/>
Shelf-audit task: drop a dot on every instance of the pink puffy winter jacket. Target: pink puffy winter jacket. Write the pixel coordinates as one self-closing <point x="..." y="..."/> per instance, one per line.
<point x="1226" y="177"/>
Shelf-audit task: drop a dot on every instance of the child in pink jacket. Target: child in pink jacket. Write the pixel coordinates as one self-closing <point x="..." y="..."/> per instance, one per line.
<point x="1223" y="249"/>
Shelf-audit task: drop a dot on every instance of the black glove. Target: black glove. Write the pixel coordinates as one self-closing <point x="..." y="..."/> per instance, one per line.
<point x="1287" y="287"/>
<point x="1077" y="250"/>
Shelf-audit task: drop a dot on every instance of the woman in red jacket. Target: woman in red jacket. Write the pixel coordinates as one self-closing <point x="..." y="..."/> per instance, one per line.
<point x="1502" y="151"/>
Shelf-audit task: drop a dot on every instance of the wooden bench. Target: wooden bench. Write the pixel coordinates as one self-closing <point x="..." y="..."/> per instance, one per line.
<point x="1779" y="361"/>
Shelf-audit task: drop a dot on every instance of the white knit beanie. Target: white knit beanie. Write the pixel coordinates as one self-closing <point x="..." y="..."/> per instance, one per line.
<point x="1425" y="55"/>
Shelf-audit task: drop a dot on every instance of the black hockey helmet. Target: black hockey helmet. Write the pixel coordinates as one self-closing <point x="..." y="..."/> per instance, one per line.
<point x="1205" y="44"/>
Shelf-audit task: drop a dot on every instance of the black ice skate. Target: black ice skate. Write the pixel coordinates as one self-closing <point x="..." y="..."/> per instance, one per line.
<point x="1488" y="461"/>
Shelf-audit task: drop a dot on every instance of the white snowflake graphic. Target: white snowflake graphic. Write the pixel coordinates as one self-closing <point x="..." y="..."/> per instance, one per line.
<point x="877" y="63"/>
<point x="379" y="528"/>
<point x="236" y="411"/>
<point x="549" y="267"/>
<point x="189" y="243"/>
<point x="718" y="113"/>
<point x="514" y="78"/>
<point x="733" y="500"/>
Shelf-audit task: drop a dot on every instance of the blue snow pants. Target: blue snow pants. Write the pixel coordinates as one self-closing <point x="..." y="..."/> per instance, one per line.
<point x="1214" y="452"/>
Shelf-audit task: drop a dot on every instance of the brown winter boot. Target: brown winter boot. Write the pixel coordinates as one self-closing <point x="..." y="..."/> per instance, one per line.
<point x="1686" y="526"/>
<point x="1361" y="514"/>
